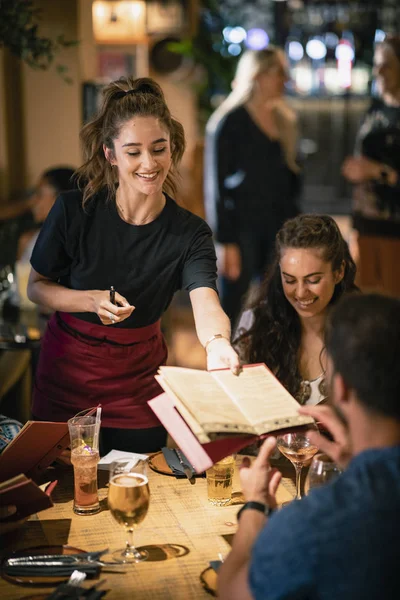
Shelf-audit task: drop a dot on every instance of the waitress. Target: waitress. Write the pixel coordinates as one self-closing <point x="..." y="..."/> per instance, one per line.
<point x="122" y="231"/>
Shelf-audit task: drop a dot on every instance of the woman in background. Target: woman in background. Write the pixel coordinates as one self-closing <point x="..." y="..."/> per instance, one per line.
<point x="375" y="169"/>
<point x="284" y="326"/>
<point x="251" y="174"/>
<point x="15" y="365"/>
<point x="122" y="231"/>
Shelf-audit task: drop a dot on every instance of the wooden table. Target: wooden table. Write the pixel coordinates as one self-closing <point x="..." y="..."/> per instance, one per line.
<point x="180" y="522"/>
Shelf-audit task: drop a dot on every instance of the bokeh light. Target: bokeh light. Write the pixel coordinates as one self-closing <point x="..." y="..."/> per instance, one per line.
<point x="234" y="49"/>
<point x="344" y="52"/>
<point x="295" y="50"/>
<point x="316" y="49"/>
<point x="257" y="39"/>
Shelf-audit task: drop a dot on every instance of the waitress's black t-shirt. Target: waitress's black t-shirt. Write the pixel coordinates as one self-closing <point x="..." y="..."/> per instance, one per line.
<point x="93" y="249"/>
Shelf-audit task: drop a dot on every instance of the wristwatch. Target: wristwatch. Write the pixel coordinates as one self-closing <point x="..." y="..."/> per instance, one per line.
<point x="260" y="506"/>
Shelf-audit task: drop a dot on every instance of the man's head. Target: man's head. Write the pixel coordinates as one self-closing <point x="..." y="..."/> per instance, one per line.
<point x="363" y="344"/>
<point x="51" y="183"/>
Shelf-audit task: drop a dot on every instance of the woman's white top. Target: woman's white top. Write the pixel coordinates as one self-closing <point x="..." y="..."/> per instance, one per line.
<point x="245" y="323"/>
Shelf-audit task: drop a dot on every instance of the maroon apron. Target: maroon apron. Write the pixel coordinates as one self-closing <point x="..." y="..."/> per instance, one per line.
<point x="82" y="365"/>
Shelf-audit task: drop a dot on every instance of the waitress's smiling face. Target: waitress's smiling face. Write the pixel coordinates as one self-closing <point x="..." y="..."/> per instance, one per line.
<point x="308" y="281"/>
<point x="142" y="154"/>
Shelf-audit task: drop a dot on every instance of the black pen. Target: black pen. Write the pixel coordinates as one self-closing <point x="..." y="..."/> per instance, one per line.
<point x="112" y="295"/>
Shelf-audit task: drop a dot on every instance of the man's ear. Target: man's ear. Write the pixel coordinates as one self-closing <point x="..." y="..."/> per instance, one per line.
<point x="341" y="391"/>
<point x="109" y="154"/>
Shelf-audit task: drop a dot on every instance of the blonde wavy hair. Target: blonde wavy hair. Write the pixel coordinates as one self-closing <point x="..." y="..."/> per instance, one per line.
<point x="250" y="65"/>
<point x="123" y="100"/>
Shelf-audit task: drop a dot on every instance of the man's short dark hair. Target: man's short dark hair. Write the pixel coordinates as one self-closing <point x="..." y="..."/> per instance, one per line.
<point x="61" y="178"/>
<point x="363" y="340"/>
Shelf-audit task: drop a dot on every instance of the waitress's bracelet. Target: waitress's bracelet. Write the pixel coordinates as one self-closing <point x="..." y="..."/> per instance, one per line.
<point x="217" y="336"/>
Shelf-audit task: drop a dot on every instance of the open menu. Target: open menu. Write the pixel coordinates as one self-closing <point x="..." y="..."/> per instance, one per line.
<point x="221" y="412"/>
<point x="35" y="447"/>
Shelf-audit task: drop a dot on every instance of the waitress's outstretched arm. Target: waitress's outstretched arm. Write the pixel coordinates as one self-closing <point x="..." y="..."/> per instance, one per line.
<point x="213" y="330"/>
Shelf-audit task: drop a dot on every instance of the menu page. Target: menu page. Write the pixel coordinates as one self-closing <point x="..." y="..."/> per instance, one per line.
<point x="205" y="400"/>
<point x="264" y="401"/>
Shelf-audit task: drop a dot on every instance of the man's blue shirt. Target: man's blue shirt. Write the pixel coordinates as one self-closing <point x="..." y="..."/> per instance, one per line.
<point x="341" y="542"/>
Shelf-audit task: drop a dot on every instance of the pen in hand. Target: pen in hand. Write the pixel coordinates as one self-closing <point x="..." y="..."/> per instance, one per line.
<point x="112" y="295"/>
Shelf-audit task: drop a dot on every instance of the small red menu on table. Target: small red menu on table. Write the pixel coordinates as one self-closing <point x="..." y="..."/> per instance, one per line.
<point x="23" y="462"/>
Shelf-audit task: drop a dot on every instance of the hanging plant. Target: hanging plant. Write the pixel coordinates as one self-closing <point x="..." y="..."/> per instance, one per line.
<point x="19" y="22"/>
<point x="207" y="50"/>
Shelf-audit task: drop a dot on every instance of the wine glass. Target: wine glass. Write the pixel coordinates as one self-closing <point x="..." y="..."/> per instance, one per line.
<point x="128" y="500"/>
<point x="322" y="470"/>
<point x="298" y="449"/>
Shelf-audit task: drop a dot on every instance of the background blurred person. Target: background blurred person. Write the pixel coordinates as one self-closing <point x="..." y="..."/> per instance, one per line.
<point x="24" y="217"/>
<point x="284" y="327"/>
<point x="340" y="541"/>
<point x="51" y="183"/>
<point x="14" y="365"/>
<point x="124" y="231"/>
<point x="375" y="169"/>
<point x="251" y="174"/>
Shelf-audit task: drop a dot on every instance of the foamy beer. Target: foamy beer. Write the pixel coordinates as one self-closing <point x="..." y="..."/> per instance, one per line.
<point x="219" y="481"/>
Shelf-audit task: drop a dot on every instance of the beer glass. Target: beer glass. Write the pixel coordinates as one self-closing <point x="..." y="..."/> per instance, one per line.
<point x="128" y="501"/>
<point x="219" y="481"/>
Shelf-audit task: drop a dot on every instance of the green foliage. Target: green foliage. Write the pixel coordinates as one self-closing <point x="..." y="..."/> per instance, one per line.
<point x="208" y="50"/>
<point x="19" y="33"/>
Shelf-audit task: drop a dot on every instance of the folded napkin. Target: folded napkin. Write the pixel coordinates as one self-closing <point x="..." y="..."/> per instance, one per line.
<point x="132" y="458"/>
<point x="174" y="464"/>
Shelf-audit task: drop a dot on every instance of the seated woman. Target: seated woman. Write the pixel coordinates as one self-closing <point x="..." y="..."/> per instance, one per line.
<point x="284" y="326"/>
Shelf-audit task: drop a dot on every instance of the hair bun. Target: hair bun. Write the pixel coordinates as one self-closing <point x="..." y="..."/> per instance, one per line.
<point x="145" y="85"/>
<point x="146" y="88"/>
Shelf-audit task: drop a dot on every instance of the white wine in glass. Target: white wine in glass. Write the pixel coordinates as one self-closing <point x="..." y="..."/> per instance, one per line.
<point x="128" y="500"/>
<point x="299" y="450"/>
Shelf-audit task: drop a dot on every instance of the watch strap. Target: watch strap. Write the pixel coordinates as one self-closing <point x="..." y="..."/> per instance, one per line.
<point x="260" y="506"/>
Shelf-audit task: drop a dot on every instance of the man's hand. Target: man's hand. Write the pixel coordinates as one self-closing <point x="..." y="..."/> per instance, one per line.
<point x="259" y="481"/>
<point x="339" y="449"/>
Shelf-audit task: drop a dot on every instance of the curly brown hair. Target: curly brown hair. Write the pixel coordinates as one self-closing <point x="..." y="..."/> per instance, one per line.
<point x="275" y="335"/>
<point x="123" y="100"/>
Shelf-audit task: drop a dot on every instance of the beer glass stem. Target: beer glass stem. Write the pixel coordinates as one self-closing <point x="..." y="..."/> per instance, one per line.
<point x="130" y="550"/>
<point x="298" y="469"/>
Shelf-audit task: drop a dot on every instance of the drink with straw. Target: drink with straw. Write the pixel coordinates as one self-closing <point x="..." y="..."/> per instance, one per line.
<point x="84" y="433"/>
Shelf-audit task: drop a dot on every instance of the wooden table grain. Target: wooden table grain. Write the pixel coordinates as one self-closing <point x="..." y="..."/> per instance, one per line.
<point x="181" y="531"/>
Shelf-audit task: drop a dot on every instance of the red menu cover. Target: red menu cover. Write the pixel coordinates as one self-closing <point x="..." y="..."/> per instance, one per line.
<point x="25" y="495"/>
